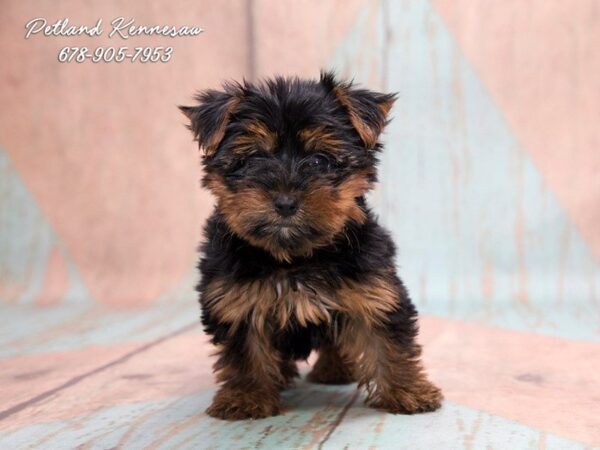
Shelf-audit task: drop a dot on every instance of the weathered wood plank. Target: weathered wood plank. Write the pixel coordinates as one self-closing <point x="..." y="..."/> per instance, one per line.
<point x="309" y="423"/>
<point x="150" y="384"/>
<point x="28" y="330"/>
<point x="454" y="427"/>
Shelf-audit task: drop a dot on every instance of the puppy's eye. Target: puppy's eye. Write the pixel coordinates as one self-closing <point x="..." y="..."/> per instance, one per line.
<point x="319" y="163"/>
<point x="238" y="164"/>
<point x="251" y="160"/>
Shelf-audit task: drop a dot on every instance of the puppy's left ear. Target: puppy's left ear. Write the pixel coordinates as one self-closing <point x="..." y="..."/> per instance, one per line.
<point x="209" y="119"/>
<point x="366" y="109"/>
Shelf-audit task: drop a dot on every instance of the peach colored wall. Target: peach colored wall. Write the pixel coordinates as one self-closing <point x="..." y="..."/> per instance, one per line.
<point x="102" y="147"/>
<point x="110" y="173"/>
<point x="489" y="180"/>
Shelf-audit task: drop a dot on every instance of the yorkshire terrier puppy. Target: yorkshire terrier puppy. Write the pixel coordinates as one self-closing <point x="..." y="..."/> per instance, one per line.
<point x="293" y="259"/>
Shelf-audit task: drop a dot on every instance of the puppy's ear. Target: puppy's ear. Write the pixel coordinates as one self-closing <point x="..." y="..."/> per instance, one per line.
<point x="209" y="119"/>
<point x="367" y="110"/>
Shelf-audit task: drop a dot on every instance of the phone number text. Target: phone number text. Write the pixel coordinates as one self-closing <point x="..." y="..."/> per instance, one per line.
<point x="115" y="54"/>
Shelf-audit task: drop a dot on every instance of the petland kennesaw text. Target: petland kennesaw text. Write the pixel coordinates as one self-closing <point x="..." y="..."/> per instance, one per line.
<point x="122" y="27"/>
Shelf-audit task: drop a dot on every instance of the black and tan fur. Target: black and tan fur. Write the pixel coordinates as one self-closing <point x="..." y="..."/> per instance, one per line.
<point x="293" y="259"/>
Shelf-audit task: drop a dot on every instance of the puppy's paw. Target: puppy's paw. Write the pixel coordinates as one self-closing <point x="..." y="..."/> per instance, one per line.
<point x="421" y="398"/>
<point x="230" y="404"/>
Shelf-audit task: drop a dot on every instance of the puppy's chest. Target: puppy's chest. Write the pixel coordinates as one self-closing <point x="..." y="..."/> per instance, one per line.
<point x="279" y="299"/>
<point x="304" y="302"/>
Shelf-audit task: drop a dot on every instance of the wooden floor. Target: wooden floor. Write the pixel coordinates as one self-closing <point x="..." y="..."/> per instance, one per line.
<point x="75" y="377"/>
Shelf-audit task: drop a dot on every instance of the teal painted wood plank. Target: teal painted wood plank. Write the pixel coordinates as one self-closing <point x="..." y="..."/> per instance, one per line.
<point x="310" y="413"/>
<point x="315" y="417"/>
<point x="29" y="330"/>
<point x="176" y="368"/>
<point x="454" y="427"/>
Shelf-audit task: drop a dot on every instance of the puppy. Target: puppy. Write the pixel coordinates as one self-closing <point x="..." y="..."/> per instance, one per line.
<point x="293" y="259"/>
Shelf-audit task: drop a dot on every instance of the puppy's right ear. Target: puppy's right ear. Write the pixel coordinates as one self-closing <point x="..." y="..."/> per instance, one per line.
<point x="367" y="110"/>
<point x="209" y="119"/>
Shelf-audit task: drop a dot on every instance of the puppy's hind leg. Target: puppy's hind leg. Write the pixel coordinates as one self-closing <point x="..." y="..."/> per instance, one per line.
<point x="330" y="367"/>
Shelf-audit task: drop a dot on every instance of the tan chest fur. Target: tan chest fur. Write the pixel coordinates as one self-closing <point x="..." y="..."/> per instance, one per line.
<point x="278" y="299"/>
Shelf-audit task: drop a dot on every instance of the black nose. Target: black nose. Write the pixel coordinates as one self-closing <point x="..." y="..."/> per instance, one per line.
<point x="286" y="205"/>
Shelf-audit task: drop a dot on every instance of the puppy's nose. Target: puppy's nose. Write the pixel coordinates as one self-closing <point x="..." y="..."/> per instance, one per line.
<point x="286" y="205"/>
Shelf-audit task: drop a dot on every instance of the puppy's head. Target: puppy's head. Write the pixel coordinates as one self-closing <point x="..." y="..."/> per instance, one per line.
<point x="289" y="160"/>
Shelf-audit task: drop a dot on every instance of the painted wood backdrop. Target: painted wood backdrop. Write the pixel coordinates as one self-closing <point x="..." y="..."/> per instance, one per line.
<point x="490" y="183"/>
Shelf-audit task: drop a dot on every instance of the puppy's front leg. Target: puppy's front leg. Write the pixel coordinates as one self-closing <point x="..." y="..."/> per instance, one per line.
<point x="250" y="370"/>
<point x="379" y="337"/>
